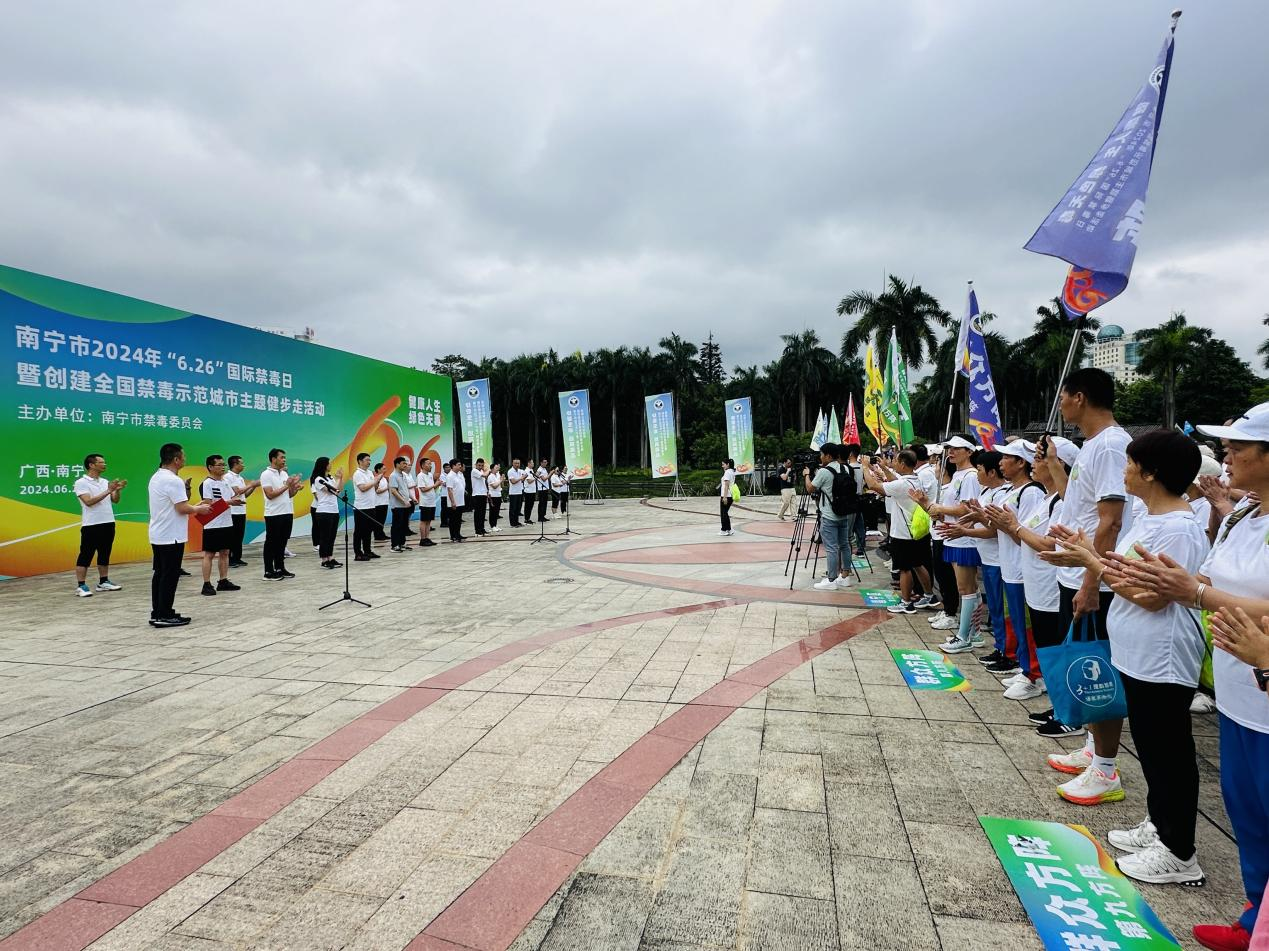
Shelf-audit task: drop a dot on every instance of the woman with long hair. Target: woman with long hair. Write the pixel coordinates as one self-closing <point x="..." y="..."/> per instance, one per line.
<point x="326" y="486"/>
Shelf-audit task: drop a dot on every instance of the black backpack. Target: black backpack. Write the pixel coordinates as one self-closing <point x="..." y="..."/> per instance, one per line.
<point x="845" y="499"/>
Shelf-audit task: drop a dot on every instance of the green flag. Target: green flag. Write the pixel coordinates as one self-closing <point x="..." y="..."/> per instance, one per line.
<point x="889" y="395"/>
<point x="906" y="432"/>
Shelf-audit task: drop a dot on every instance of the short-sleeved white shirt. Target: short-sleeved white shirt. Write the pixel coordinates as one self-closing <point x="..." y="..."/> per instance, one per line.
<point x="381" y="490"/>
<point x="236" y="482"/>
<point x="564" y="481"/>
<point x="167" y="526"/>
<point x="928" y="476"/>
<point x="325" y="498"/>
<point x="514" y="485"/>
<point x="455" y="483"/>
<point x="427" y="490"/>
<point x="101" y="513"/>
<point x="1039" y="578"/>
<point x="989" y="548"/>
<point x="493" y="482"/>
<point x="479" y="483"/>
<point x="1239" y="563"/>
<point x="543" y="484"/>
<point x="1202" y="510"/>
<point x="902" y="505"/>
<point x="964" y="485"/>
<point x="1097" y="476"/>
<point x="363" y="498"/>
<point x="728" y="480"/>
<point x="1011" y="498"/>
<point x="1164" y="646"/>
<point x="274" y="479"/>
<point x="212" y="490"/>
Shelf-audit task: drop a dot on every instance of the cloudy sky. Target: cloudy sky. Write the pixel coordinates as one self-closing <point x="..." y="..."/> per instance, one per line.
<point x="419" y="178"/>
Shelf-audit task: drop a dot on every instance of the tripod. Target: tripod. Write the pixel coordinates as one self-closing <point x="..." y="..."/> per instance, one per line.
<point x="565" y="498"/>
<point x="343" y="498"/>
<point x="799" y="531"/>
<point x="542" y="530"/>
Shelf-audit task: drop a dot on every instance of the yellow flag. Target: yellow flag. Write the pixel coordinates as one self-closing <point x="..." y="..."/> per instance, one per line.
<point x="873" y="386"/>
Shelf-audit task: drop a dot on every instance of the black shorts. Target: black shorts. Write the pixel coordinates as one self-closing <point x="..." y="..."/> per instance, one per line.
<point x="907" y="554"/>
<point x="218" y="539"/>
<point x="427" y="513"/>
<point x="95" y="540"/>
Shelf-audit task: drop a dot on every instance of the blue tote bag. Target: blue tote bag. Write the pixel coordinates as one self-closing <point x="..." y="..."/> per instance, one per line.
<point x="1082" y="684"/>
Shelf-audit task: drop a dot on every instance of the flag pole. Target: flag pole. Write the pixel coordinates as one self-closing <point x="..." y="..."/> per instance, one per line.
<point x="1066" y="369"/>
<point x="951" y="397"/>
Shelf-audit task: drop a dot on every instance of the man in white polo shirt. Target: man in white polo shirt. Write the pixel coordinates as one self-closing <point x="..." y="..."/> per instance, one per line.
<point x="279" y="489"/>
<point x="515" y="490"/>
<point x="238" y="507"/>
<point x="479" y="495"/>
<point x="169" y="531"/>
<point x="456" y="490"/>
<point x="364" y="482"/>
<point x="97" y="524"/>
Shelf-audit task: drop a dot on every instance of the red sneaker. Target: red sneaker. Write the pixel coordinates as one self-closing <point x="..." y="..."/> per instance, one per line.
<point x="1223" y="937"/>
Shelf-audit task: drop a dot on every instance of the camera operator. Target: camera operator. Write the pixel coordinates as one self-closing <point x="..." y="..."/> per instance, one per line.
<point x="829" y="485"/>
<point x="788" y="488"/>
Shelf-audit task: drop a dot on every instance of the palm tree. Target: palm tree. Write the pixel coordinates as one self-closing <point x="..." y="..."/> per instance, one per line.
<point x="1264" y="347"/>
<point x="774" y="374"/>
<point x="681" y="363"/>
<point x="809" y="365"/>
<point x="646" y="368"/>
<point x="608" y="371"/>
<point x="1165" y="351"/>
<point x="522" y="375"/>
<point x="1044" y="352"/>
<point x="903" y="308"/>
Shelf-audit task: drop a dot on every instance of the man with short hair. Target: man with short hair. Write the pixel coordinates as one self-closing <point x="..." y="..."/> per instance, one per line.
<point x="96" y="524"/>
<point x="364" y="482"/>
<point x="479" y="495"/>
<point x="543" y="488"/>
<point x="909" y="556"/>
<point x="788" y="488"/>
<point x="456" y="491"/>
<point x="400" y="501"/>
<point x="832" y="526"/>
<point x="279" y="489"/>
<point x="380" y="521"/>
<point x="168" y="531"/>
<point x="218" y="534"/>
<point x="238" y="507"/>
<point x="859" y="526"/>
<point x="515" y="491"/>
<point x="427" y="503"/>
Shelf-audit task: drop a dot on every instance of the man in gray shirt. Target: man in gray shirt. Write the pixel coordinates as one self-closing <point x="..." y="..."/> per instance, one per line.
<point x="400" y="499"/>
<point x="833" y="528"/>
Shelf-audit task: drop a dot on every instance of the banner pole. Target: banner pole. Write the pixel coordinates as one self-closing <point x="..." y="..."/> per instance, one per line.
<point x="951" y="404"/>
<point x="1066" y="368"/>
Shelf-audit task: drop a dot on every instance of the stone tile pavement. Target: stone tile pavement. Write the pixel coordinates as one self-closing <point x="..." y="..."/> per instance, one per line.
<point x="833" y="809"/>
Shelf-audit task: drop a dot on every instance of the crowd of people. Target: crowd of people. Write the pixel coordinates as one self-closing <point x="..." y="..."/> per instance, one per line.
<point x="1157" y="545"/>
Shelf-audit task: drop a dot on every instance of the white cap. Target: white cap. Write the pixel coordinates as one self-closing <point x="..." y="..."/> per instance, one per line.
<point x="1067" y="451"/>
<point x="1206" y="450"/>
<point x="1208" y="466"/>
<point x="959" y="442"/>
<point x="1019" y="448"/>
<point x="1252" y="426"/>
<point x="934" y="448"/>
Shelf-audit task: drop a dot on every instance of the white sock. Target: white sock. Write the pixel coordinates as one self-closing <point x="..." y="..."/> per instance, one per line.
<point x="1105" y="763"/>
<point x="1089" y="747"/>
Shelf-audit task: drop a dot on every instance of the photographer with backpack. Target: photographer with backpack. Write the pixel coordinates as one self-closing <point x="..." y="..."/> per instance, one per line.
<point x="838" y="499"/>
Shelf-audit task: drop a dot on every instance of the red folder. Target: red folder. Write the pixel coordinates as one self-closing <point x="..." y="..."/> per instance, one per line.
<point x="218" y="506"/>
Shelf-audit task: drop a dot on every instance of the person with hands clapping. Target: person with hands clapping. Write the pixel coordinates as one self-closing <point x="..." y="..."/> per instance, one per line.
<point x="279" y="489"/>
<point x="97" y="524"/>
<point x="169" y="531"/>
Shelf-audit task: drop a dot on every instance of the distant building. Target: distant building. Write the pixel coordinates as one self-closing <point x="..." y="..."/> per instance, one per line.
<point x="308" y="334"/>
<point x="1116" y="352"/>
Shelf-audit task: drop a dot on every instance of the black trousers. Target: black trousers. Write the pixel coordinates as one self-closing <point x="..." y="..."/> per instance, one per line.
<point x="167" y="572"/>
<point x="563" y="501"/>
<point x="945" y="576"/>
<point x="455" y="524"/>
<point x="1159" y="717"/>
<point x="240" y="532"/>
<point x="724" y="512"/>
<point x="1046" y="628"/>
<point x="444" y="510"/>
<point x="529" y="499"/>
<point x="543" y="498"/>
<point x="95" y="540"/>
<point x="380" y="524"/>
<point x="400" y="519"/>
<point x="325" y="525"/>
<point x="495" y="506"/>
<point x="362" y="530"/>
<point x="516" y="501"/>
<point x="1066" y="610"/>
<point x="277" y="532"/>
<point x="479" y="503"/>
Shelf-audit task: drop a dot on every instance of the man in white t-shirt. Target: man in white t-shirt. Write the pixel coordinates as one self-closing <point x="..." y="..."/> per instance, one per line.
<point x="279" y="489"/>
<point x="479" y="495"/>
<point x="364" y="482"/>
<point x="426" y="483"/>
<point x="218" y="534"/>
<point x="515" y="490"/>
<point x="456" y="491"/>
<point x="169" y="530"/>
<point x="543" y="475"/>
<point x="97" y="524"/>
<point x="910" y="557"/>
<point x="238" y="506"/>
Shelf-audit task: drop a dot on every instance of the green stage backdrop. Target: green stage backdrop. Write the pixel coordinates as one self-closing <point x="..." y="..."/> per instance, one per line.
<point x="91" y="371"/>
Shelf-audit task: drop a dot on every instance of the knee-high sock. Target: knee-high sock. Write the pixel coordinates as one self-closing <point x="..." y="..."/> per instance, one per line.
<point x="969" y="603"/>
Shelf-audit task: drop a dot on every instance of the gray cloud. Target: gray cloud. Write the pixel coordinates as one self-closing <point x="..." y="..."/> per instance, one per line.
<point x="417" y="179"/>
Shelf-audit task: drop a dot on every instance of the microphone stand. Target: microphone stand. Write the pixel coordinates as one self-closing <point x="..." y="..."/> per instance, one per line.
<point x="343" y="498"/>
<point x="567" y="530"/>
<point x="542" y="525"/>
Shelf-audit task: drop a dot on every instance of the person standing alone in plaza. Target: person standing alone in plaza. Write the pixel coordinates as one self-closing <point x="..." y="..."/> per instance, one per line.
<point x="724" y="496"/>
<point x="279" y="514"/>
<point x="169" y="531"/>
<point x="97" y="524"/>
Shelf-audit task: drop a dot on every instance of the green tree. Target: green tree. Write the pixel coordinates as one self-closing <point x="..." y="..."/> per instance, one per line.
<point x="1139" y="403"/>
<point x="1264" y="347"/>
<point x="1215" y="384"/>
<point x="711" y="362"/>
<point x="609" y="369"/>
<point x="902" y="307"/>
<point x="646" y="368"/>
<point x="683" y="368"/>
<point x="808" y="364"/>
<point x="1166" y="351"/>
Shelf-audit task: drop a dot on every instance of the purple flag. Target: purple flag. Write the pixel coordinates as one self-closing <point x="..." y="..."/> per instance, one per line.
<point x="1094" y="227"/>
<point x="984" y="415"/>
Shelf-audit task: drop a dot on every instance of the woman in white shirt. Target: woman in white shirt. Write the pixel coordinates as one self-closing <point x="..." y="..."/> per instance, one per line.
<point x="724" y="496"/>
<point x="493" y="485"/>
<point x="992" y="488"/>
<point x="326" y="486"/>
<point x="381" y="502"/>
<point x="426" y="484"/>
<point x="1234" y="578"/>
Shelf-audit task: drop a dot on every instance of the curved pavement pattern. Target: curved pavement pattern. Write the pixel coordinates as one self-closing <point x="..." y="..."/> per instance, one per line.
<point x="641" y="740"/>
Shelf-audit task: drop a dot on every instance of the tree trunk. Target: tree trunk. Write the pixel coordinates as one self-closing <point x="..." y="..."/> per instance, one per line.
<point x="554" y="429"/>
<point x="614" y="431"/>
<point x="643" y="441"/>
<point x="802" y="405"/>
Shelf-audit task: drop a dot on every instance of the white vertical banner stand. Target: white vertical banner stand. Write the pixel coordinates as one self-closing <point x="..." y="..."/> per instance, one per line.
<point x="677" y="492"/>
<point x="593" y="497"/>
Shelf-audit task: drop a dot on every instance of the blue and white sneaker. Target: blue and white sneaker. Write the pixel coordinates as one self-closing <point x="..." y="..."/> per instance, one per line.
<point x="83" y="591"/>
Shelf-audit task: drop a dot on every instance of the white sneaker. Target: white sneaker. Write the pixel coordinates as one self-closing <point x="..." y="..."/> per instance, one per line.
<point x="1017" y="678"/>
<point x="954" y="646"/>
<point x="731" y="531"/>
<point x="845" y="582"/>
<point x="1092" y="787"/>
<point x="83" y="591"/>
<point x="825" y="584"/>
<point x="1073" y="763"/>
<point x="108" y="586"/>
<point x="976" y="639"/>
<point x="1202" y="703"/>
<point x="722" y="531"/>
<point x="1157" y="864"/>
<point x="287" y="553"/>
<point x="1025" y="690"/>
<point x="1138" y="838"/>
<point x="945" y="622"/>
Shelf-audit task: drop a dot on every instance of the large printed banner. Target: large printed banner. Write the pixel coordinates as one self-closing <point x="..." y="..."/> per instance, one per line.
<point x="928" y="670"/>
<point x="740" y="433"/>
<point x="1075" y="895"/>
<point x="579" y="455"/>
<point x="87" y="371"/>
<point x="476" y="413"/>
<point x="661" y="439"/>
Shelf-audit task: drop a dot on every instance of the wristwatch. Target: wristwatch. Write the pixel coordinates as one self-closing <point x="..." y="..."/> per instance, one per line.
<point x="1262" y="677"/>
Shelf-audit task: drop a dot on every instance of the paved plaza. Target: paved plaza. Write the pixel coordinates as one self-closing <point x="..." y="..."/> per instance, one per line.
<point x="636" y="738"/>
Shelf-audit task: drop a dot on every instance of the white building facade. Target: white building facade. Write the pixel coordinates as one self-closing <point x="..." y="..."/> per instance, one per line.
<point x="1116" y="352"/>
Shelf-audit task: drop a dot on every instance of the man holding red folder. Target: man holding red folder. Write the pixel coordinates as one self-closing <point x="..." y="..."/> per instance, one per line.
<point x="218" y="524"/>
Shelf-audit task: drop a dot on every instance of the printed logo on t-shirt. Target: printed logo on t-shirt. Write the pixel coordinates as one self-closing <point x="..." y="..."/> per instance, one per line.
<point x="1075" y="472"/>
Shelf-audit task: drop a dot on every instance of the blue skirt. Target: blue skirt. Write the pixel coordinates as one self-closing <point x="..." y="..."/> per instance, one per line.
<point x="961" y="556"/>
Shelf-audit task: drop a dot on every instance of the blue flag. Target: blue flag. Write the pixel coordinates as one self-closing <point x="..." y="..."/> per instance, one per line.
<point x="984" y="415"/>
<point x="962" y="339"/>
<point x="1094" y="227"/>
